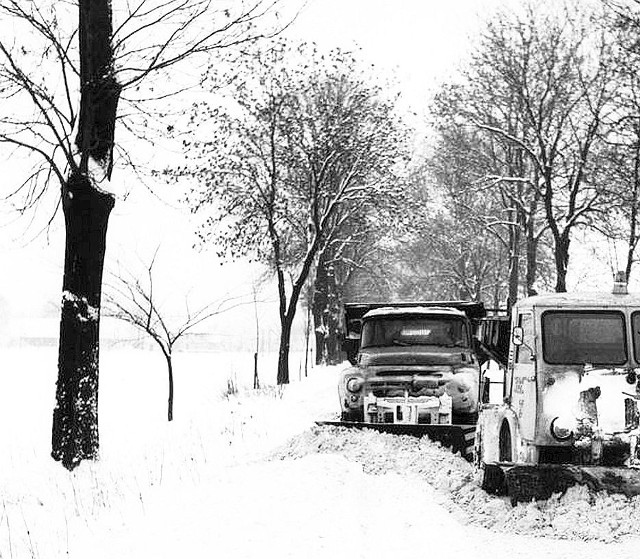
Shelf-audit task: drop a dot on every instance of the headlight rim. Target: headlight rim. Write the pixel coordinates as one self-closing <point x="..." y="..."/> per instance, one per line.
<point x="555" y="435"/>
<point x="358" y="381"/>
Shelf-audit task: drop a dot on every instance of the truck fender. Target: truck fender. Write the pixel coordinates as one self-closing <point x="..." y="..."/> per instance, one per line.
<point x="496" y="436"/>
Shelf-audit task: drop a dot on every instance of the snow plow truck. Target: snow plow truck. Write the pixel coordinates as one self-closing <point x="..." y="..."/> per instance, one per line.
<point x="566" y="409"/>
<point x="415" y="370"/>
<point x="542" y="397"/>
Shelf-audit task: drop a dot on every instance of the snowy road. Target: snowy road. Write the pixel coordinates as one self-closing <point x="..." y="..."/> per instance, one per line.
<point x="326" y="506"/>
<point x="250" y="477"/>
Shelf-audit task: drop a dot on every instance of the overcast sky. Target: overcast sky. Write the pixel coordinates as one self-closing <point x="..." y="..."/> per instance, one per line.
<point x="422" y="40"/>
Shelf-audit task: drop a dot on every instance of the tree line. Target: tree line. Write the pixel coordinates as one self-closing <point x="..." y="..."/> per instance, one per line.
<point x="309" y="168"/>
<point x="536" y="141"/>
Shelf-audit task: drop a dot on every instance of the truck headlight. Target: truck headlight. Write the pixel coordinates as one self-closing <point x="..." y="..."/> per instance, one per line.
<point x="354" y="384"/>
<point x="562" y="428"/>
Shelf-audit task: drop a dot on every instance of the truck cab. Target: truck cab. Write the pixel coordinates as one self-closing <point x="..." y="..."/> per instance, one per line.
<point x="415" y="363"/>
<point x="569" y="396"/>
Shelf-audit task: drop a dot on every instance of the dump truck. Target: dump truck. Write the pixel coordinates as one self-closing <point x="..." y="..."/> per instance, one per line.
<point x="415" y="370"/>
<point x="566" y="409"/>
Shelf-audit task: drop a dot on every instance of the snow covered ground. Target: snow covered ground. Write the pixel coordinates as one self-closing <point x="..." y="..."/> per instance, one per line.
<point x="250" y="476"/>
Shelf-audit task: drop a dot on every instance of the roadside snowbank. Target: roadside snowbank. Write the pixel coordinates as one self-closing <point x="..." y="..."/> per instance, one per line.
<point x="580" y="514"/>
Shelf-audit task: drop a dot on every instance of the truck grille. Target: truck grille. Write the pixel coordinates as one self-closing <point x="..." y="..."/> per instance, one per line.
<point x="412" y="388"/>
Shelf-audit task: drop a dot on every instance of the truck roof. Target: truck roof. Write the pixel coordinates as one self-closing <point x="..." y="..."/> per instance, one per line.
<point x="591" y="299"/>
<point x="417" y="310"/>
<point x="473" y="309"/>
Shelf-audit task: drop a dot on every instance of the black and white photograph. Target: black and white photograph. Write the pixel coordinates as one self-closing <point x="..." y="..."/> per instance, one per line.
<point x="336" y="279"/>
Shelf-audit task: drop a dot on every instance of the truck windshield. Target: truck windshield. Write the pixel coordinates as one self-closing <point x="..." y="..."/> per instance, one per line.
<point x="571" y="338"/>
<point x="415" y="330"/>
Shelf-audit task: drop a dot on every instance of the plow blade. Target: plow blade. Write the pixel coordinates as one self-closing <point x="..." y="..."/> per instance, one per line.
<point x="457" y="437"/>
<point x="524" y="483"/>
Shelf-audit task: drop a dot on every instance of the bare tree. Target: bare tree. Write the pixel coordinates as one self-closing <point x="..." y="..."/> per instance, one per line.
<point x="621" y="163"/>
<point x="351" y="252"/>
<point x="65" y="69"/>
<point x="559" y="68"/>
<point x="309" y="143"/>
<point x="134" y="301"/>
<point x="469" y="163"/>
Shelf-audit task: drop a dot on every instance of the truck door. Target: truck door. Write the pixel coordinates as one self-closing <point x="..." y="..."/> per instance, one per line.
<point x="523" y="378"/>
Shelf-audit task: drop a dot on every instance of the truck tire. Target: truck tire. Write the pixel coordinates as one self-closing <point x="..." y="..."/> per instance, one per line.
<point x="489" y="477"/>
<point x="505" y="453"/>
<point x="492" y="479"/>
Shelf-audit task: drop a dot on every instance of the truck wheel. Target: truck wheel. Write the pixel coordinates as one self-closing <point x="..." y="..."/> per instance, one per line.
<point x="504" y="446"/>
<point x="492" y="479"/>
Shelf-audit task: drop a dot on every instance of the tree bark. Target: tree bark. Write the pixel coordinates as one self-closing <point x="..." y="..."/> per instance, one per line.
<point x="514" y="261"/>
<point x="170" y="399"/>
<point x="86" y="211"/>
<point x="633" y="217"/>
<point x="75" y="417"/>
<point x="319" y="305"/>
<point x="326" y="312"/>
<point x="532" y="263"/>
<point x="562" y="261"/>
<point x="287" y="316"/>
<point x="283" y="352"/>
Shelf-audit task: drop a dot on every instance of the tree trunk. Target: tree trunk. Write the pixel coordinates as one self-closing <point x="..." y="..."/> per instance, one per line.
<point x="319" y="305"/>
<point x="562" y="262"/>
<point x="514" y="262"/>
<point x="256" y="380"/>
<point x="326" y="313"/>
<point x="75" y="416"/>
<point x="319" y="340"/>
<point x="283" y="351"/>
<point x="633" y="217"/>
<point x="333" y="344"/>
<point x="332" y="318"/>
<point x="170" y="400"/>
<point x="307" y="327"/>
<point x="86" y="211"/>
<point x="532" y="262"/>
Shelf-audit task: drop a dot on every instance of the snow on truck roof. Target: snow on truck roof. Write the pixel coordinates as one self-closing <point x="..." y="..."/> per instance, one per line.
<point x="417" y="310"/>
<point x="597" y="300"/>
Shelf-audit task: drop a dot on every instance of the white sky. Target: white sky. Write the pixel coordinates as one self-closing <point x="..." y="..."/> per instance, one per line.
<point x="422" y="40"/>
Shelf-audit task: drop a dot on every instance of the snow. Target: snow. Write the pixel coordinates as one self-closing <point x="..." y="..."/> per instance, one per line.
<point x="249" y="475"/>
<point x="81" y="305"/>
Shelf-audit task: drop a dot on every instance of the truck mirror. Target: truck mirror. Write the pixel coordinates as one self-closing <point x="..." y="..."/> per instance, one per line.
<point x="350" y="347"/>
<point x="517" y="336"/>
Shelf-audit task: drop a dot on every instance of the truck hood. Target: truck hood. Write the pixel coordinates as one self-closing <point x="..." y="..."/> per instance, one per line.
<point x="415" y="355"/>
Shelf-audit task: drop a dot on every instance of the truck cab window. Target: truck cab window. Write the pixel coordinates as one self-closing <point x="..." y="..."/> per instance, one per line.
<point x="579" y="337"/>
<point x="635" y="329"/>
<point x="524" y="352"/>
<point x="410" y="331"/>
